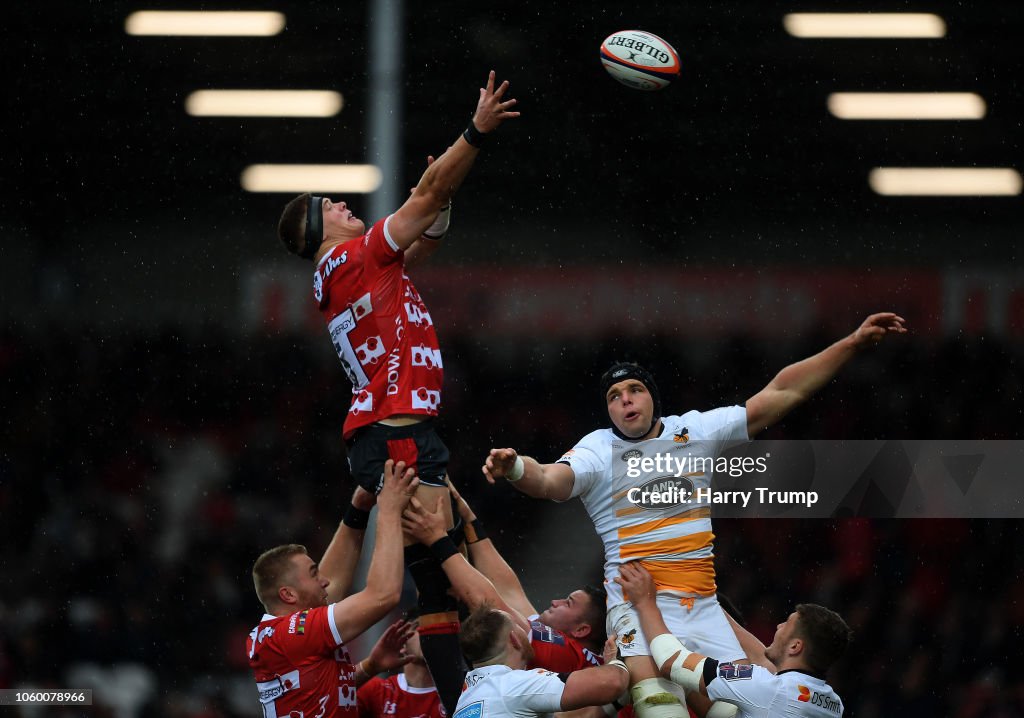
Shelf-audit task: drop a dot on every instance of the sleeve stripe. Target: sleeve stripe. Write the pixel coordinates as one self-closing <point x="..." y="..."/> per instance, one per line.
<point x="387" y="234"/>
<point x="333" y="625"/>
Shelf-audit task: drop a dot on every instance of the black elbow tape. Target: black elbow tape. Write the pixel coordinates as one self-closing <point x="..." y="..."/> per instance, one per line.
<point x="710" y="671"/>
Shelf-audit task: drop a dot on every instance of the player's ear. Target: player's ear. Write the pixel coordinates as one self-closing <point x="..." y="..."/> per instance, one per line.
<point x="286" y="595"/>
<point x="796" y="646"/>
<point x="582" y="631"/>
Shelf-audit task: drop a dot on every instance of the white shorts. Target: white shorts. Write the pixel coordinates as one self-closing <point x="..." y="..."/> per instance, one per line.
<point x="702" y="628"/>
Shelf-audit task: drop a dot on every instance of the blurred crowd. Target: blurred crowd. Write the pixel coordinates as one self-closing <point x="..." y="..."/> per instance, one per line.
<point x="141" y="474"/>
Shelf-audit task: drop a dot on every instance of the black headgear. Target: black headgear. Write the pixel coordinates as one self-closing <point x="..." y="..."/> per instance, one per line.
<point x="314" y="227"/>
<point x="627" y="370"/>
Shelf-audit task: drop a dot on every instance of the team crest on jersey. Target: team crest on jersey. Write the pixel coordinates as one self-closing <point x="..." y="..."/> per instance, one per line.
<point x="627" y="638"/>
<point x="735" y="671"/>
<point x="682" y="436"/>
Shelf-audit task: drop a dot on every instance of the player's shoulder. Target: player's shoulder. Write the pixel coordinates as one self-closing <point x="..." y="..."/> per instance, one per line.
<point x="599" y="438"/>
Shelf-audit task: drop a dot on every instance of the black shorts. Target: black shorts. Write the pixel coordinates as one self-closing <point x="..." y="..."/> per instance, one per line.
<point x="418" y="445"/>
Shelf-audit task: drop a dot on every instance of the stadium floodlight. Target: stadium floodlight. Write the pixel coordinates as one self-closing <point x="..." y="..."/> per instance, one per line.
<point x="204" y="23"/>
<point x="855" y="24"/>
<point x="311" y="178"/>
<point x="945" y="181"/>
<point x="906" y="105"/>
<point x="263" y="103"/>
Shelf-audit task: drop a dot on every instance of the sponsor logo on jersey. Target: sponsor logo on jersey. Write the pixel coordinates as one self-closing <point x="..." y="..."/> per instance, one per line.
<point x="318" y="286"/>
<point x="297" y="623"/>
<point x="363" y="402"/>
<point x="369" y="351"/>
<point x="424" y="398"/>
<point x="567" y="455"/>
<point x="823" y="700"/>
<point x="426" y="356"/>
<point x="277" y="686"/>
<point x="735" y="671"/>
<point x="546" y="634"/>
<point x="632" y="454"/>
<point x="362" y="306"/>
<point x="682" y="436"/>
<point x="662" y="492"/>
<point x="473" y="710"/>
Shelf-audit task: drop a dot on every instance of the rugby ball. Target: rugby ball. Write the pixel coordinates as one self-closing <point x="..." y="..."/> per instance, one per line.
<point x="640" y="60"/>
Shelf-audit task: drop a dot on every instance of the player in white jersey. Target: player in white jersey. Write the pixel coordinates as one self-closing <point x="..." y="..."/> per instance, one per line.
<point x="790" y="677"/>
<point x="499" y="686"/>
<point x="674" y="540"/>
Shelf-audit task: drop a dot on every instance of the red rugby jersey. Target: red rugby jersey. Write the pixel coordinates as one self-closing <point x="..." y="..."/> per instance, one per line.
<point x="301" y="666"/>
<point x="393" y="696"/>
<point x="380" y="328"/>
<point x="557" y="652"/>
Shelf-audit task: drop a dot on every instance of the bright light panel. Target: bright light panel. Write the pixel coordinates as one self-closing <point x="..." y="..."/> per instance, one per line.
<point x="311" y="178"/>
<point x="175" y="22"/>
<point x="864" y="25"/>
<point x="263" y="103"/>
<point x="906" y="105"/>
<point x="945" y="181"/>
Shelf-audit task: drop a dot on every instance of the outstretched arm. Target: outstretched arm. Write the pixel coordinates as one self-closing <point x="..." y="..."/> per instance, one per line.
<point x="444" y="176"/>
<point x="541" y="481"/>
<point x="798" y="382"/>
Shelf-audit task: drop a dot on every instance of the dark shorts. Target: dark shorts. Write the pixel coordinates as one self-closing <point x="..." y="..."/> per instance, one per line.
<point x="418" y="445"/>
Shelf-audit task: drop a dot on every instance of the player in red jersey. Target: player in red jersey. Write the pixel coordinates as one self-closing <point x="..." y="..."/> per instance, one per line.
<point x="409" y="694"/>
<point x="298" y="651"/>
<point x="568" y="636"/>
<point x="385" y="338"/>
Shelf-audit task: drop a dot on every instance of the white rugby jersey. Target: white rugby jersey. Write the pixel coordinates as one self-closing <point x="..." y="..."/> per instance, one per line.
<point x="673" y="539"/>
<point x="501" y="692"/>
<point x="758" y="693"/>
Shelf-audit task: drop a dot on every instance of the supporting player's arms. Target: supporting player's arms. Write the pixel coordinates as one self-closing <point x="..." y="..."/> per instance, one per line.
<point x="598" y="685"/>
<point x="797" y="382"/>
<point x="342" y="555"/>
<point x="674" y="661"/>
<point x="492" y="564"/>
<point x="541" y="481"/>
<point x="751" y="645"/>
<point x="384" y="580"/>
<point x="470" y="586"/>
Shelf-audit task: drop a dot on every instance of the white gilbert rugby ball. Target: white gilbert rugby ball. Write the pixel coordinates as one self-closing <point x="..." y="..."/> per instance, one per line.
<point x="640" y="59"/>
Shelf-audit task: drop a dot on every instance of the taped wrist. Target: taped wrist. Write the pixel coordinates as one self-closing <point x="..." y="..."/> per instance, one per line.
<point x="474" y="136"/>
<point x="687" y="668"/>
<point x="475" y="532"/>
<point x="443" y="549"/>
<point x="516" y="473"/>
<point x="356" y="518"/>
<point x="439" y="228"/>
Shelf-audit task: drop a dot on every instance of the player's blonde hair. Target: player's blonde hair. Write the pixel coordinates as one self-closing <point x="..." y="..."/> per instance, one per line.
<point x="272" y="570"/>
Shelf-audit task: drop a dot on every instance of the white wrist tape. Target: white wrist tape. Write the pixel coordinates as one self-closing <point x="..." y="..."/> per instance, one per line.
<point x="440" y="226"/>
<point x="686" y="669"/>
<point x="517" y="470"/>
